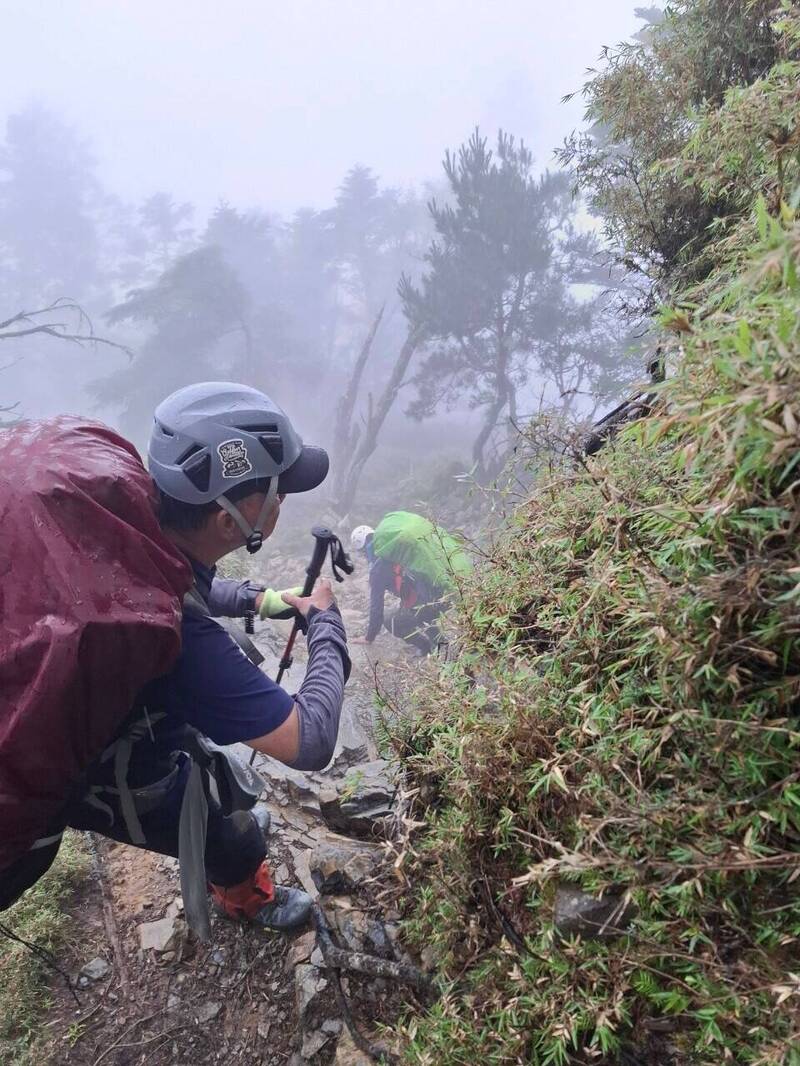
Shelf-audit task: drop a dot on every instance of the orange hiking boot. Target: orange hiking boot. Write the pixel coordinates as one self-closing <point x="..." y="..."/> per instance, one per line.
<point x="261" y="901"/>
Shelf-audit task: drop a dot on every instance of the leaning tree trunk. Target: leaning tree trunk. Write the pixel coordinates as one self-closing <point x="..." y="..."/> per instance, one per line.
<point x="503" y="453"/>
<point x="490" y="421"/>
<point x="502" y="397"/>
<point x="345" y="431"/>
<point x="373" y="423"/>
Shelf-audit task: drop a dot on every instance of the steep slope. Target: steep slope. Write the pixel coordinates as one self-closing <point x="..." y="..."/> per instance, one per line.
<point x="623" y="719"/>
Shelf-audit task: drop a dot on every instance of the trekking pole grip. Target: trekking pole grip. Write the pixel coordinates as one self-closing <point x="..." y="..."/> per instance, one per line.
<point x="323" y="538"/>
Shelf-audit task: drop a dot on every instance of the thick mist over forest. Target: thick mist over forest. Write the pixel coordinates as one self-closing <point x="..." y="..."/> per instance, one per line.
<point x="356" y="210"/>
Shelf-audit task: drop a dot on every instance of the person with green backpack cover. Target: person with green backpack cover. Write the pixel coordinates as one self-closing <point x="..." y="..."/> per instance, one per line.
<point x="419" y="563"/>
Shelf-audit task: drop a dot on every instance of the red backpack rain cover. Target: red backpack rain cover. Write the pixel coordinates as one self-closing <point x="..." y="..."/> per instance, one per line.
<point x="90" y="610"/>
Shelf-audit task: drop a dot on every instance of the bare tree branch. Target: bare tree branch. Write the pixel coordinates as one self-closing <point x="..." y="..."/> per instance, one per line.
<point x="57" y="330"/>
<point x="28" y="326"/>
<point x="84" y="334"/>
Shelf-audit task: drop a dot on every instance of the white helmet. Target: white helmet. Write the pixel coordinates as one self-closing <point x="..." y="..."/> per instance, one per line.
<point x="359" y="537"/>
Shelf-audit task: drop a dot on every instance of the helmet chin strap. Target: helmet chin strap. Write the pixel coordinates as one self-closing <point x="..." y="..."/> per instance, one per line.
<point x="254" y="538"/>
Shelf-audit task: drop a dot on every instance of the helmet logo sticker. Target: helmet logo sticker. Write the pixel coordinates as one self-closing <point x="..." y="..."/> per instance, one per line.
<point x="234" y="458"/>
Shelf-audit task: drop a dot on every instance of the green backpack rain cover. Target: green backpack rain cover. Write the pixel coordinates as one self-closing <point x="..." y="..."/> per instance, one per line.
<point x="426" y="550"/>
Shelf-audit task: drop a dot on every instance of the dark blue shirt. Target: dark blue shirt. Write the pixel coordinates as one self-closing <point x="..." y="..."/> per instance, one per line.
<point x="213" y="686"/>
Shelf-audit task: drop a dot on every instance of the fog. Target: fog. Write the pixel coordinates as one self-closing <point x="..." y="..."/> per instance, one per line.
<point x="267" y="104"/>
<point x="238" y="193"/>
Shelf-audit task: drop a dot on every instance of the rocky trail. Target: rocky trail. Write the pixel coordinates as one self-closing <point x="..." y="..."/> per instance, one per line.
<point x="150" y="993"/>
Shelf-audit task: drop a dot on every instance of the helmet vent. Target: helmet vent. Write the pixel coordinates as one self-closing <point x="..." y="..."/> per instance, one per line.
<point x="262" y="427"/>
<point x="193" y="450"/>
<point x="199" y="472"/>
<point x="274" y="445"/>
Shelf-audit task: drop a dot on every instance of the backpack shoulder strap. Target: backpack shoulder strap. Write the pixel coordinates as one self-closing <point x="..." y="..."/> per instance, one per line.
<point x="193" y="603"/>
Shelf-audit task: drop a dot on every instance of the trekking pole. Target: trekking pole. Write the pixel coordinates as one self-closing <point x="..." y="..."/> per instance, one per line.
<point x="325" y="540"/>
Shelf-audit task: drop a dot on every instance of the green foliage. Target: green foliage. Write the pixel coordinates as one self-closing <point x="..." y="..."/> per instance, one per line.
<point x="38" y="917"/>
<point x="657" y="97"/>
<point x="751" y="144"/>
<point x="624" y="715"/>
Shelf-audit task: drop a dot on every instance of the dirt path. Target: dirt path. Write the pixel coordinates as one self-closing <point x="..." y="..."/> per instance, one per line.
<point x="249" y="997"/>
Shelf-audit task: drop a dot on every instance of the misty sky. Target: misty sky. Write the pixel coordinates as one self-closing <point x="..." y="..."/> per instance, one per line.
<point x="268" y="104"/>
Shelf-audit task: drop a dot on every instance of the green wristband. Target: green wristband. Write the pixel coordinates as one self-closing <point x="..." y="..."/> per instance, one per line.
<point x="272" y="604"/>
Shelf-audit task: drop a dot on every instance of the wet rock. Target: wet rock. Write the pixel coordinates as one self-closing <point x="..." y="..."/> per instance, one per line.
<point x="576" y="913"/>
<point x="313" y="1042"/>
<point x="96" y="970"/>
<point x="337" y="868"/>
<point x="284" y="783"/>
<point x="301" y="949"/>
<point x="347" y="1054"/>
<point x="353" y="744"/>
<point x="362" y="812"/>
<point x="300" y="789"/>
<point x="208" y="1012"/>
<point x="308" y="984"/>
<point x="294" y="818"/>
<point x="362" y="933"/>
<point x="162" y="935"/>
<point x="300" y="861"/>
<point x="358" y="930"/>
<point x="364" y="800"/>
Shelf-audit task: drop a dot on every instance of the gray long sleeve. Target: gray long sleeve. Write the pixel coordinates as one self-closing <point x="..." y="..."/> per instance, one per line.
<point x="232" y="598"/>
<point x="319" y="701"/>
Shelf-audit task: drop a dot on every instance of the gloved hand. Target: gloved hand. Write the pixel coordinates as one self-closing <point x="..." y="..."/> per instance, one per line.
<point x="272" y="606"/>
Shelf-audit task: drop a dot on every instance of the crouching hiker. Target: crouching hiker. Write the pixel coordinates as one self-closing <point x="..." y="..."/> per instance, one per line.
<point x="418" y="563"/>
<point x="118" y="688"/>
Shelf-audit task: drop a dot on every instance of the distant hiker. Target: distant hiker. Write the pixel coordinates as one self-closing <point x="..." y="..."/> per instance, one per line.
<point x="415" y="561"/>
<point x="116" y="683"/>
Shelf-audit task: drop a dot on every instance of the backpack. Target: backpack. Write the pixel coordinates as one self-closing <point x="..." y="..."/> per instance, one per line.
<point x="91" y="598"/>
<point x="426" y="551"/>
<point x="404" y="586"/>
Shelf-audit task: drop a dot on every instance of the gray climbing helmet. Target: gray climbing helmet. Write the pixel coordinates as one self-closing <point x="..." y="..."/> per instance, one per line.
<point x="212" y="437"/>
